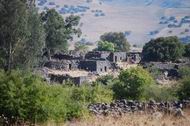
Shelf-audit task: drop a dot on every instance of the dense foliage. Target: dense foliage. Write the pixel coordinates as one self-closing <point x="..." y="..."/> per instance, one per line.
<point x="118" y="39"/>
<point x="187" y="50"/>
<point x="59" y="31"/>
<point x="184" y="72"/>
<point x="184" y="89"/>
<point x="20" y="27"/>
<point x="26" y="96"/>
<point x="132" y="83"/>
<point x="105" y="46"/>
<point x="163" y="49"/>
<point x="160" y="93"/>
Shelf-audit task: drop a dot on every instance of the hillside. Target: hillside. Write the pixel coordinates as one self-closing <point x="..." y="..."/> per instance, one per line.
<point x="141" y="20"/>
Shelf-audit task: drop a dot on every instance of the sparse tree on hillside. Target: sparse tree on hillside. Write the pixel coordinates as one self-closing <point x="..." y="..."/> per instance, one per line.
<point x="118" y="39"/>
<point x="163" y="49"/>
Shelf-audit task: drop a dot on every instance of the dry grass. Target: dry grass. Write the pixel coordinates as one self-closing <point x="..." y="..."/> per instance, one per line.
<point x="134" y="120"/>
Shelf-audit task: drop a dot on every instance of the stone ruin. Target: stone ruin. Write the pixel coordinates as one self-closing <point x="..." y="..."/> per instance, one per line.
<point x="94" y="62"/>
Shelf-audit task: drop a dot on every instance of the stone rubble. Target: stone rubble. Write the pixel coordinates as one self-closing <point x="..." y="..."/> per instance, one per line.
<point x="120" y="107"/>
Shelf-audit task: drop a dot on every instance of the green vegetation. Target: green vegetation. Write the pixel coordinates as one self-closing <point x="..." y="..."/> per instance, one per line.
<point x="105" y="46"/>
<point x="118" y="39"/>
<point x="184" y="71"/>
<point x="160" y="93"/>
<point x="132" y="84"/>
<point x="59" y="31"/>
<point x="80" y="47"/>
<point x="105" y="80"/>
<point x="184" y="89"/>
<point x="26" y="96"/>
<point x="187" y="50"/>
<point x="163" y="49"/>
<point x="20" y="27"/>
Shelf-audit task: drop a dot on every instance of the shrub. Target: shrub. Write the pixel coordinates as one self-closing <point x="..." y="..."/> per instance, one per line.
<point x="183" y="91"/>
<point x="159" y="93"/>
<point x="132" y="83"/>
<point x="21" y="96"/>
<point x="105" y="80"/>
<point x="184" y="72"/>
<point x="187" y="50"/>
<point x="27" y="97"/>
<point x="88" y="94"/>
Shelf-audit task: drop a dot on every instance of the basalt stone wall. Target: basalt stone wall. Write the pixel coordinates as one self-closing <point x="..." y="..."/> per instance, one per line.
<point x="62" y="78"/>
<point x="97" y="55"/>
<point x="63" y="64"/>
<point x="98" y="66"/>
<point x="103" y="66"/>
<point x="118" y="56"/>
<point x="134" y="57"/>
<point x="88" y="65"/>
<point x="120" y="107"/>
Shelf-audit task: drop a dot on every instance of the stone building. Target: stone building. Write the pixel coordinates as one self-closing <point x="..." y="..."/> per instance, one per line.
<point x="118" y="57"/>
<point x="77" y="80"/>
<point x="96" y="66"/>
<point x="63" y="62"/>
<point x="134" y="57"/>
<point x="110" y="56"/>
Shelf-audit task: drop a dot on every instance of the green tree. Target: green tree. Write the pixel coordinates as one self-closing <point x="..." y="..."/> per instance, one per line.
<point x="187" y="50"/>
<point x="105" y="46"/>
<point x="132" y="83"/>
<point x="13" y="30"/>
<point x="59" y="31"/>
<point x="31" y="53"/>
<point x="80" y="47"/>
<point x="118" y="39"/>
<point x="184" y="89"/>
<point x="21" y="35"/>
<point x="163" y="49"/>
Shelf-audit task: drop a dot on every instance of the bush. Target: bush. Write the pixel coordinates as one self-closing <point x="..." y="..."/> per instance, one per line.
<point x="88" y="94"/>
<point x="132" y="83"/>
<point x="184" y="72"/>
<point x="160" y="93"/>
<point x="27" y="97"/>
<point x="183" y="91"/>
<point x="105" y="80"/>
<point x="187" y="50"/>
<point x="21" y="96"/>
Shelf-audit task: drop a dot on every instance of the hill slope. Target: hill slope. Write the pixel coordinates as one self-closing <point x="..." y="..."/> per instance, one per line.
<point x="141" y="20"/>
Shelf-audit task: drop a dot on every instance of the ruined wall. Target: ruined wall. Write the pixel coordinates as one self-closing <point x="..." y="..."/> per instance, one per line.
<point x="103" y="66"/>
<point x="97" y="55"/>
<point x="88" y="65"/>
<point x="118" y="57"/>
<point x="63" y="78"/>
<point x="62" y="64"/>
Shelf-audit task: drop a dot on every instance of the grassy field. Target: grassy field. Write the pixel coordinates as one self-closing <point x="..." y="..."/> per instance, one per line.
<point x="135" y="120"/>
